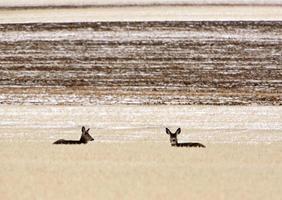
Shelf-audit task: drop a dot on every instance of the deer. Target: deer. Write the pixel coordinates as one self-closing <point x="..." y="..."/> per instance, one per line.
<point x="174" y="142"/>
<point x="85" y="137"/>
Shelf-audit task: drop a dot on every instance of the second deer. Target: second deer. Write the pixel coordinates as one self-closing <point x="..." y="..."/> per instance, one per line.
<point x="174" y="141"/>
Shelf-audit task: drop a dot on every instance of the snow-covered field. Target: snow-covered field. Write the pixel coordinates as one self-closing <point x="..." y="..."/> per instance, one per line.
<point x="141" y="13"/>
<point x="121" y="123"/>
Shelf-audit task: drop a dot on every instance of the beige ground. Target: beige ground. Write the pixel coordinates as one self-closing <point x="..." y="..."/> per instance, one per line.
<point x="139" y="170"/>
<point x="141" y="13"/>
<point x="131" y="158"/>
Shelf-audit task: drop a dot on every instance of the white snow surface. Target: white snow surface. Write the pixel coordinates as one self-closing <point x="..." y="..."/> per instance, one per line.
<point x="124" y="123"/>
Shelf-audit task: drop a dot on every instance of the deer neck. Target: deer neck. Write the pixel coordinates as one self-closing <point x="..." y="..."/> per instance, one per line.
<point x="83" y="140"/>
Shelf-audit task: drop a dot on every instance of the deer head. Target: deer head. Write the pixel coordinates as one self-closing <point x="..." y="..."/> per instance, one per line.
<point x="173" y="136"/>
<point x="85" y="136"/>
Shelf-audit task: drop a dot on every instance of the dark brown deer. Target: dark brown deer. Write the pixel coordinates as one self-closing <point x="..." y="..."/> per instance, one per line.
<point x="85" y="137"/>
<point x="174" y="142"/>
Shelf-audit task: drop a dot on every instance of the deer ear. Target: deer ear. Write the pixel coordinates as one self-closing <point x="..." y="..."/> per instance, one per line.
<point x="167" y="131"/>
<point x="88" y="130"/>
<point x="83" y="129"/>
<point x="178" y="131"/>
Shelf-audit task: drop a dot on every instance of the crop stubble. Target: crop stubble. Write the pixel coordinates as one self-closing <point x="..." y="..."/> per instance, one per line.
<point x="213" y="63"/>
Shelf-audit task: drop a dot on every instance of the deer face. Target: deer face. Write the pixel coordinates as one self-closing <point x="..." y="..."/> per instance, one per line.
<point x="85" y="136"/>
<point x="173" y="136"/>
